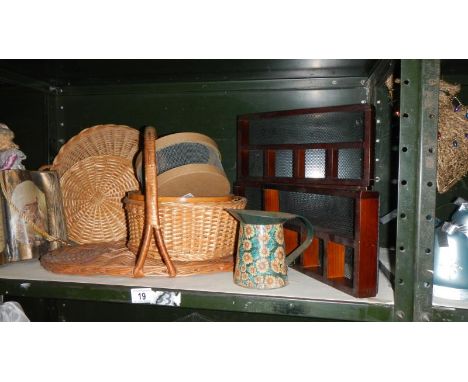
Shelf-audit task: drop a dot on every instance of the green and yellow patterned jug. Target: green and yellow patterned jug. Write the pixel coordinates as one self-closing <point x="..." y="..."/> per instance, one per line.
<point x="261" y="261"/>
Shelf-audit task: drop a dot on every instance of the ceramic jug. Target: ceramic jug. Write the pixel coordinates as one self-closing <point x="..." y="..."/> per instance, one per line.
<point x="261" y="261"/>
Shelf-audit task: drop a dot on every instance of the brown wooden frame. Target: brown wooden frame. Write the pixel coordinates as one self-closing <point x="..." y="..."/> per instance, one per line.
<point x="331" y="149"/>
<point x="364" y="241"/>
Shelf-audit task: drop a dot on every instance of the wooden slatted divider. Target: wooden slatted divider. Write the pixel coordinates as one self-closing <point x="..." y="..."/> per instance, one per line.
<point x="335" y="260"/>
<point x="269" y="163"/>
<point x="366" y="263"/>
<point x="299" y="163"/>
<point x="310" y="258"/>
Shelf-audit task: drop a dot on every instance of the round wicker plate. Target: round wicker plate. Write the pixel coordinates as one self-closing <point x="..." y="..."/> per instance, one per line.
<point x="110" y="139"/>
<point x="93" y="191"/>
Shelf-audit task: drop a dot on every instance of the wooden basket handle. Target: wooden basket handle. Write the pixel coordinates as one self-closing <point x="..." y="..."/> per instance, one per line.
<point x="152" y="225"/>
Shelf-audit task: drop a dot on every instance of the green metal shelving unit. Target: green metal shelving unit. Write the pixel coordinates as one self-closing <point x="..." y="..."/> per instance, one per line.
<point x="416" y="192"/>
<point x="210" y="95"/>
<point x="277" y="308"/>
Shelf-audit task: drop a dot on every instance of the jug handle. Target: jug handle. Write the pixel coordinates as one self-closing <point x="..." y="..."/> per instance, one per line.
<point x="310" y="235"/>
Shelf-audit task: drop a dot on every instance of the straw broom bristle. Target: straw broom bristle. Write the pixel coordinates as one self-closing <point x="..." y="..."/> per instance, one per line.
<point x="452" y="163"/>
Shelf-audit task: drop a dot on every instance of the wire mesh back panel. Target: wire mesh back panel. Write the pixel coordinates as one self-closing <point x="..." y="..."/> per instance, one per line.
<point x="256" y="163"/>
<point x="330" y="127"/>
<point x="349" y="163"/>
<point x="327" y="212"/>
<point x="315" y="163"/>
<point x="284" y="163"/>
<point x="186" y="153"/>
<point x="254" y="198"/>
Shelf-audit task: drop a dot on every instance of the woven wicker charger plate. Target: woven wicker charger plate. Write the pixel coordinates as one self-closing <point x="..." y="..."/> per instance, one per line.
<point x="110" y="139"/>
<point x="93" y="190"/>
<point x="114" y="259"/>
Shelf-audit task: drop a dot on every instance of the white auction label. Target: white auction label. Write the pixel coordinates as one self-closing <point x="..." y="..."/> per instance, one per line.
<point x="142" y="295"/>
<point x="149" y="296"/>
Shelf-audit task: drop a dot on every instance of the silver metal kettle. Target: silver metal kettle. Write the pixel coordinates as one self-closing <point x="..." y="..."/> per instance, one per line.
<point x="451" y="256"/>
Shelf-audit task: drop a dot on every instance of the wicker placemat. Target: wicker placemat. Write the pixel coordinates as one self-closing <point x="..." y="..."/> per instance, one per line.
<point x="92" y="190"/>
<point x="115" y="259"/>
<point x="99" y="140"/>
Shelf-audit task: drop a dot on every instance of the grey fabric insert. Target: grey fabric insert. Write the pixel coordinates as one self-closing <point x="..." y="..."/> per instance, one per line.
<point x="186" y="153"/>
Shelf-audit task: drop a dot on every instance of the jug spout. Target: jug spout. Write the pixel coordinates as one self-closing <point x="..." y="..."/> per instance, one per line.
<point x="260" y="217"/>
<point x="234" y="214"/>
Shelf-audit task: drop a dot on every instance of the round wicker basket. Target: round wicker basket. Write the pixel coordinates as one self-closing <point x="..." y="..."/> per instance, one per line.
<point x="93" y="191"/>
<point x="117" y="140"/>
<point x="194" y="229"/>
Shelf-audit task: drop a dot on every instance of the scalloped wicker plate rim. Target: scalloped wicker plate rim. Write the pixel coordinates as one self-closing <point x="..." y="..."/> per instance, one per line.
<point x="89" y="131"/>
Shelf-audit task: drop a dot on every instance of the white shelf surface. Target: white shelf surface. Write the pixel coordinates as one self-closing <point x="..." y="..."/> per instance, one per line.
<point x="450" y="304"/>
<point x="300" y="286"/>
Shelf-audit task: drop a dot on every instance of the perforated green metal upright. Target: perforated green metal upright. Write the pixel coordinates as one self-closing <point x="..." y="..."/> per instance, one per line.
<point x="416" y="189"/>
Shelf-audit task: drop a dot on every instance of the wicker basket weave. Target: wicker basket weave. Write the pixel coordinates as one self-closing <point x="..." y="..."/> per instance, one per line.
<point x="200" y="225"/>
<point x="194" y="229"/>
<point x="96" y="170"/>
<point x="93" y="190"/>
<point x="114" y="259"/>
<point x="452" y="163"/>
<point x="117" y="140"/>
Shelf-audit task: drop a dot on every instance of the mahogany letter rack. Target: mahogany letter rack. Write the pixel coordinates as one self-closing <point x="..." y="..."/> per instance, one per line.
<point x="317" y="163"/>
